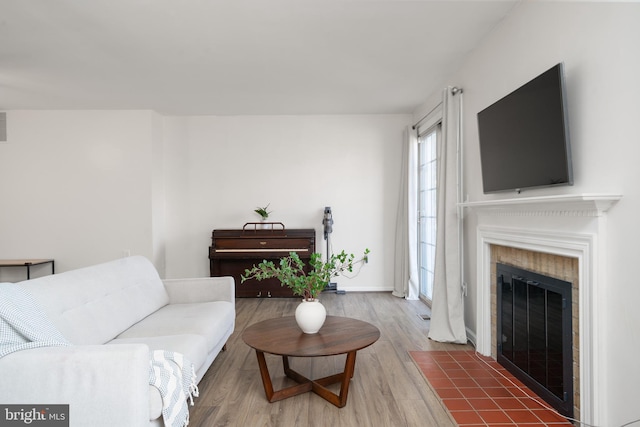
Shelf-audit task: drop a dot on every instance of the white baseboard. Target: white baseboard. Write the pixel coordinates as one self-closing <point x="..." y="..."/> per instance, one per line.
<point x="471" y="336"/>
<point x="363" y="289"/>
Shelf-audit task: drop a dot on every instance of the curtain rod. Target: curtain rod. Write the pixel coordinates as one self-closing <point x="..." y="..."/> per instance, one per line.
<point x="454" y="91"/>
<point x="416" y="124"/>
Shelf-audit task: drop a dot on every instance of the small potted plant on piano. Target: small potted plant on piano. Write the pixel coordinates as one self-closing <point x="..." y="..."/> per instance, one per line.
<point x="292" y="272"/>
<point x="264" y="213"/>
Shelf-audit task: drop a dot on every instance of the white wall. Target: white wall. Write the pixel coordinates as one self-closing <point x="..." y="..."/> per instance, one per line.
<point x="158" y="193"/>
<point x="83" y="187"/>
<point x="598" y="44"/>
<point x="225" y="167"/>
<point x="75" y="186"/>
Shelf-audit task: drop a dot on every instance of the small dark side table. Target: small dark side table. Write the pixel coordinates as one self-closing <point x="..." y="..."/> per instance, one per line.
<point x="27" y="263"/>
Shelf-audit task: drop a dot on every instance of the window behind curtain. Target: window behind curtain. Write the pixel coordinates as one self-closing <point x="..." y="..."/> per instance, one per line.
<point x="427" y="208"/>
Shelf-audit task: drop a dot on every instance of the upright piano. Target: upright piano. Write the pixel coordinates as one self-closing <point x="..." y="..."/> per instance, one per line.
<point x="233" y="251"/>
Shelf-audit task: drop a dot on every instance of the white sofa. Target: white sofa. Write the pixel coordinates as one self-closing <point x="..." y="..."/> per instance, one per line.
<point x="114" y="314"/>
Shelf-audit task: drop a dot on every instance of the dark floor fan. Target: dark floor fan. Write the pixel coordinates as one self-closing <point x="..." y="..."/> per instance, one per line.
<point x="327" y="222"/>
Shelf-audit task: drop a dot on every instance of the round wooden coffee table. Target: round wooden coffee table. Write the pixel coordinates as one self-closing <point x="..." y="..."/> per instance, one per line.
<point x="283" y="337"/>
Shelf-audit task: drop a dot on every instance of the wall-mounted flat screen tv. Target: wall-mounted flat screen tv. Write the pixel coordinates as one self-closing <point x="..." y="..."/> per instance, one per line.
<point x="524" y="137"/>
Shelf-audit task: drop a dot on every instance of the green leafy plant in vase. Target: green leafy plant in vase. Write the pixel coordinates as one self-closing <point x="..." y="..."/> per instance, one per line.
<point x="292" y="272"/>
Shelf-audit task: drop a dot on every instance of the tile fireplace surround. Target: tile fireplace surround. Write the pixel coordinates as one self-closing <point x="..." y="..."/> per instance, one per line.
<point x="543" y="233"/>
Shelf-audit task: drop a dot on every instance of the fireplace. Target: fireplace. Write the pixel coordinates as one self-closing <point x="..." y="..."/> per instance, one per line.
<point x="531" y="232"/>
<point x="534" y="333"/>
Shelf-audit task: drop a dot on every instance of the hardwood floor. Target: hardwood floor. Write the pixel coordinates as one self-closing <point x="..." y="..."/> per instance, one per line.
<point x="387" y="389"/>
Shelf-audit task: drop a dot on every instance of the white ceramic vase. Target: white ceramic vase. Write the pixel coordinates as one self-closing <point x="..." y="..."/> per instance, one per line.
<point x="310" y="316"/>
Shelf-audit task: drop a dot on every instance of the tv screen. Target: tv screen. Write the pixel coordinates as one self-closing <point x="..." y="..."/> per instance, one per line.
<point x="524" y="137"/>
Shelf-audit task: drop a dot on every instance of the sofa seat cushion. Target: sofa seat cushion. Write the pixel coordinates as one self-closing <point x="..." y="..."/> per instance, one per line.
<point x="193" y="347"/>
<point x="209" y="319"/>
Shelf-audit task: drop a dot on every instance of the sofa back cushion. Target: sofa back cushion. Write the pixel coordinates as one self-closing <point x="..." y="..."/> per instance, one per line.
<point x="92" y="305"/>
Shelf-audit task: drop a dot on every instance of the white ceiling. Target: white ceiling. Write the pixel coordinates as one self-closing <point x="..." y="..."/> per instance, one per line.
<point x="231" y="57"/>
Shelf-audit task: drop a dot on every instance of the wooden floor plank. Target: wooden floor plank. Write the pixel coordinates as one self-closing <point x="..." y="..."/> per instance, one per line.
<point x="386" y="389"/>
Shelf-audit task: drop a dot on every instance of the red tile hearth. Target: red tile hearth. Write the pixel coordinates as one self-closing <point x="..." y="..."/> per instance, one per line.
<point x="477" y="391"/>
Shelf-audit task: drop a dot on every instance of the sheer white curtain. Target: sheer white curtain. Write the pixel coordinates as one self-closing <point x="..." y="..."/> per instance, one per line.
<point x="405" y="284"/>
<point x="447" y="310"/>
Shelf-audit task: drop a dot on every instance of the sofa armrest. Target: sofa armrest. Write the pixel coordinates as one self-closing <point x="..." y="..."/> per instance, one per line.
<point x="103" y="385"/>
<point x="203" y="289"/>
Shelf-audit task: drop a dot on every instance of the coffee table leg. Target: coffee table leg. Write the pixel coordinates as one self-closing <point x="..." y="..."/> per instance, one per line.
<point x="344" y="378"/>
<point x="264" y="373"/>
<point x="349" y="367"/>
<point x="273" y="396"/>
<point x="285" y="365"/>
<point x="317" y="386"/>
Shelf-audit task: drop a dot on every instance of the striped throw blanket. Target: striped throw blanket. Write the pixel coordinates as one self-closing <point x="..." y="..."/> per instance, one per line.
<point x="175" y="378"/>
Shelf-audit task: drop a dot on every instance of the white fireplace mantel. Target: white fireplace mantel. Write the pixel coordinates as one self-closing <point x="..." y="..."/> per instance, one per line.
<point x="557" y="205"/>
<point x="582" y="239"/>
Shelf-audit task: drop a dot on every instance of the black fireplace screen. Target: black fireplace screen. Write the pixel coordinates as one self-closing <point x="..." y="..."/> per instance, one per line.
<point x="534" y="333"/>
